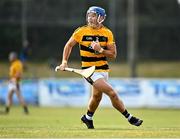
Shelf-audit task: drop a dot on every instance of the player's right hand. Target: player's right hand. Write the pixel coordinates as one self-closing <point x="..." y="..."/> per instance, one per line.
<point x="63" y="66"/>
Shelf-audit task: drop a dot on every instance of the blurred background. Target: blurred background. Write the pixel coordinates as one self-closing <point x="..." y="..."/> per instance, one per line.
<point x="146" y="34"/>
<point x="144" y="30"/>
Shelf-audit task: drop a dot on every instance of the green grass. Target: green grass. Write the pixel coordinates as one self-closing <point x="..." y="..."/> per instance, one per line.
<point x="65" y="123"/>
<point x="144" y="69"/>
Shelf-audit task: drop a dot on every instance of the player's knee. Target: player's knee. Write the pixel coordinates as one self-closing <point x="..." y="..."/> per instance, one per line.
<point x="9" y="97"/>
<point x="10" y="94"/>
<point x="113" y="95"/>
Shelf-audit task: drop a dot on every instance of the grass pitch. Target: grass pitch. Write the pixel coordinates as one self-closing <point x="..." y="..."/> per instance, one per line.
<point x="65" y="123"/>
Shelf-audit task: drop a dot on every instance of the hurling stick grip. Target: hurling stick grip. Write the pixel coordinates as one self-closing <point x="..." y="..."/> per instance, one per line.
<point x="78" y="71"/>
<point x="69" y="69"/>
<point x="66" y="69"/>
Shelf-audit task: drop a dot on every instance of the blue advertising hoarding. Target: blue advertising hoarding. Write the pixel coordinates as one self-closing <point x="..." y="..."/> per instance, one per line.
<point x="75" y="92"/>
<point x="63" y="92"/>
<point x="29" y="90"/>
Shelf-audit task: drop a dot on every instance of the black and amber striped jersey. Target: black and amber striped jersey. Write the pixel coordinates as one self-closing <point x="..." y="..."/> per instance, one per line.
<point x="84" y="36"/>
<point x="16" y="68"/>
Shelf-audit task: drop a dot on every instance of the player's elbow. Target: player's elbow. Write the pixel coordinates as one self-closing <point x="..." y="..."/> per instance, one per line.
<point x="71" y="42"/>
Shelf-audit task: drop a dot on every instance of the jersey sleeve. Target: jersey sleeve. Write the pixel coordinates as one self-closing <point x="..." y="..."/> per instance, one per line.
<point x="77" y="35"/>
<point x="110" y="38"/>
<point x="16" y="70"/>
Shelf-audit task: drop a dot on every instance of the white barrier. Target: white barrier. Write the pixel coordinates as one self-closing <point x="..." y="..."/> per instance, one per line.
<point x="147" y="92"/>
<point x="129" y="90"/>
<point x="66" y="92"/>
<point x="134" y="92"/>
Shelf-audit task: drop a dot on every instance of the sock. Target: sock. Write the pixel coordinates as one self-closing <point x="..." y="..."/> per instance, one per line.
<point x="127" y="114"/>
<point x="26" y="109"/>
<point x="7" y="109"/>
<point x="89" y="115"/>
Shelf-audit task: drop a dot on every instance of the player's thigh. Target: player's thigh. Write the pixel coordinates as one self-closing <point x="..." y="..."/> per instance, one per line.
<point x="103" y="86"/>
<point x="11" y="89"/>
<point x="12" y="86"/>
<point x="10" y="93"/>
<point x="18" y="92"/>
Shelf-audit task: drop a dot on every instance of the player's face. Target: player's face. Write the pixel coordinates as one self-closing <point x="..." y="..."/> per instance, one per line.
<point x="12" y="57"/>
<point x="92" y="20"/>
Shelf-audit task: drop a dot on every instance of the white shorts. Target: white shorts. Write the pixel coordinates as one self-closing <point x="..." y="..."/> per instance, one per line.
<point x="98" y="75"/>
<point x="12" y="86"/>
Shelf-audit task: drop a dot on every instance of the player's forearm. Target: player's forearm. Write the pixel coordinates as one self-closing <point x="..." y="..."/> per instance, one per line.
<point x="66" y="53"/>
<point x="67" y="49"/>
<point x="109" y="54"/>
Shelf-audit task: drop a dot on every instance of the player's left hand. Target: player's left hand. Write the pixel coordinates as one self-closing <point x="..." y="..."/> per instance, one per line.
<point x="96" y="46"/>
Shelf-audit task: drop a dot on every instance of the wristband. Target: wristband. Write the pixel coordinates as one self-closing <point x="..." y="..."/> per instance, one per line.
<point x="64" y="61"/>
<point x="101" y="50"/>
